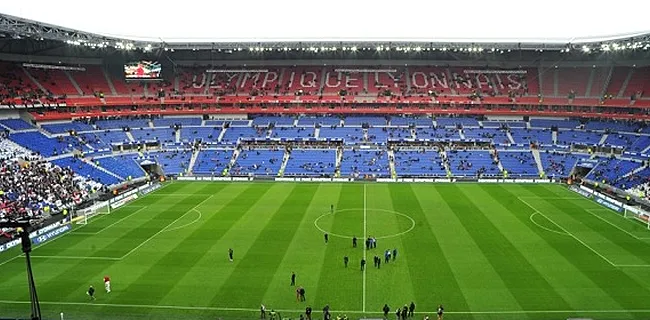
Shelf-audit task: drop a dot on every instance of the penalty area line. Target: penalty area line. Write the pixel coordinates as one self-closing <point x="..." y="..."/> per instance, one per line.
<point x="172" y="307"/>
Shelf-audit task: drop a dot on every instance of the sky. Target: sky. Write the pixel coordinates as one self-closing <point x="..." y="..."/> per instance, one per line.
<point x="551" y="21"/>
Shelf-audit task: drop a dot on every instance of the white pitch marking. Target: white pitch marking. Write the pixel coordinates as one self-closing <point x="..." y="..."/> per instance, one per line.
<point x="168" y="307"/>
<point x="569" y="233"/>
<point x="365" y="236"/>
<point x="165" y="228"/>
<point x="591" y="211"/>
<point x="76" y="257"/>
<point x="189" y="223"/>
<point x="545" y="228"/>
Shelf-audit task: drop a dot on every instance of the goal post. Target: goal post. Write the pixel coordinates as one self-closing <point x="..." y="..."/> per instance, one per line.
<point x="82" y="216"/>
<point x="637" y="214"/>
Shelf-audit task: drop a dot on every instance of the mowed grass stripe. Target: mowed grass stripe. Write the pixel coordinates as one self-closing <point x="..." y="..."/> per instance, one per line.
<point x="167" y="260"/>
<point x="214" y="269"/>
<point x="306" y="255"/>
<point x="478" y="284"/>
<point x="615" y="244"/>
<point x="620" y="287"/>
<point x="130" y="240"/>
<point x="339" y="287"/>
<point x="527" y="285"/>
<point x="532" y="241"/>
<point x="426" y="261"/>
<point x="259" y="265"/>
<point x="54" y="283"/>
<point x="178" y="252"/>
<point x="392" y="283"/>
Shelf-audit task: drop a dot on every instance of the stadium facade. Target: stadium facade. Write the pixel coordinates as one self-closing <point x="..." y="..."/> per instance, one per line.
<point x="114" y="115"/>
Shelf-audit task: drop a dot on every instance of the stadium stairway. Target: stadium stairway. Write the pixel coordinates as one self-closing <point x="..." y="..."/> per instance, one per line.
<point x="195" y="155"/>
<point x="499" y="165"/>
<point x="339" y="159"/>
<point x="110" y="82"/>
<point x="33" y="80"/>
<point x="74" y="83"/>
<point x="285" y="160"/>
<point x="538" y="161"/>
<point x="235" y="155"/>
<point x="443" y="155"/>
<point x="590" y="83"/>
<point x="623" y="89"/>
<point x="461" y="134"/>
<point x="391" y="163"/>
<point x="602" y="139"/>
<point x="512" y="140"/>
<point x="130" y="136"/>
<point x="221" y="135"/>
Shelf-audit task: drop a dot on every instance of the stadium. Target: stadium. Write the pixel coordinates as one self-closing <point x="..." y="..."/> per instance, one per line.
<point x="249" y="166"/>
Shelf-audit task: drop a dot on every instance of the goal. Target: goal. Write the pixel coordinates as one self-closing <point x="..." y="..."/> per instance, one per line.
<point x="638" y="214"/>
<point x="82" y="216"/>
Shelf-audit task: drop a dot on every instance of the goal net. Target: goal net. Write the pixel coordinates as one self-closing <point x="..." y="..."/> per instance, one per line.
<point x="637" y="214"/>
<point x="82" y="216"/>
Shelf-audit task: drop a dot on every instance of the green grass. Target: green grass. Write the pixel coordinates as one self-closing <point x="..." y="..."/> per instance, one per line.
<point x="485" y="251"/>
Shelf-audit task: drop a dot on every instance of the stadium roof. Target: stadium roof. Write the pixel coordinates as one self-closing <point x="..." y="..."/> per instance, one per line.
<point x="551" y="24"/>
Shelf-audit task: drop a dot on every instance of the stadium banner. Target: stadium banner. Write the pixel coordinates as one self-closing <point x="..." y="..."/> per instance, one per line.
<point x="126" y="194"/>
<point x="123" y="201"/>
<point x="281" y="179"/>
<point x="149" y="188"/>
<point x="580" y="191"/>
<point x="8" y="245"/>
<point x="608" y="204"/>
<point x="52" y="234"/>
<point x="515" y="180"/>
<point x="215" y="178"/>
<point x="608" y="199"/>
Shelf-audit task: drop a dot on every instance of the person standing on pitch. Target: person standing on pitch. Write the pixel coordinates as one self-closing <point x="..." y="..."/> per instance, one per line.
<point x="302" y="294"/>
<point x="386" y="310"/>
<point x="230" y="254"/>
<point x="378" y="262"/>
<point x="91" y="293"/>
<point x="440" y="311"/>
<point x="293" y="279"/>
<point x="327" y="237"/>
<point x="308" y="312"/>
<point x="394" y="254"/>
<point x="107" y="284"/>
<point x="354" y="242"/>
<point x="363" y="264"/>
<point x="262" y="312"/>
<point x="411" y="309"/>
<point x="345" y="261"/>
<point x="331" y="208"/>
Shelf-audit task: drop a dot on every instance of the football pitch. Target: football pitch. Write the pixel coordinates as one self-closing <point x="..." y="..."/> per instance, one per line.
<point x="484" y="251"/>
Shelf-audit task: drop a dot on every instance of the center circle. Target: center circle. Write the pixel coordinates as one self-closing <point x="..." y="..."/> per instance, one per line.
<point x="379" y="223"/>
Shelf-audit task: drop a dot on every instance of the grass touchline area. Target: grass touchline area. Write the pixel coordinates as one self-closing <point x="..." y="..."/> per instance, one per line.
<point x="515" y="251"/>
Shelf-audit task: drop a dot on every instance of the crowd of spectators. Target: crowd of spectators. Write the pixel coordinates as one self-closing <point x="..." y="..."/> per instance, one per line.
<point x="30" y="186"/>
<point x="36" y="188"/>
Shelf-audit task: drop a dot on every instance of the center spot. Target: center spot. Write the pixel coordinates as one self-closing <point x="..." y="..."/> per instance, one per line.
<point x="379" y="223"/>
